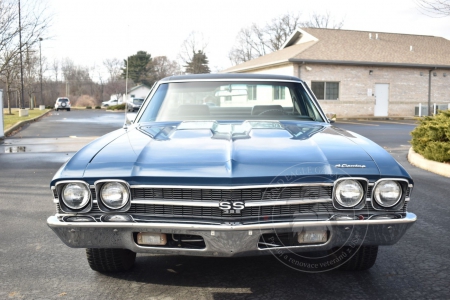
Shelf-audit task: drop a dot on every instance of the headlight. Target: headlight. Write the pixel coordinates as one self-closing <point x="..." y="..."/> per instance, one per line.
<point x="388" y="193"/>
<point x="114" y="195"/>
<point x="349" y="193"/>
<point x="75" y="195"/>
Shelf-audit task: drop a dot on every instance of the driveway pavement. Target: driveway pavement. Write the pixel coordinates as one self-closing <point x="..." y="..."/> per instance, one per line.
<point x="35" y="264"/>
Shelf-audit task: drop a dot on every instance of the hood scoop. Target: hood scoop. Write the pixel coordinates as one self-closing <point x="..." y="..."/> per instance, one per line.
<point x="230" y="131"/>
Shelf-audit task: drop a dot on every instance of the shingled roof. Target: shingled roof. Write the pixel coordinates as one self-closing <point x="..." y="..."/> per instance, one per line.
<point x="335" y="46"/>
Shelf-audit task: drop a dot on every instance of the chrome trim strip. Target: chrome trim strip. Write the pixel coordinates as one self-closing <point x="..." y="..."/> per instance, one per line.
<point x="215" y="187"/>
<point x="216" y="203"/>
<point x="178" y="221"/>
<point x="315" y="103"/>
<point x="54" y="222"/>
<point x="231" y="79"/>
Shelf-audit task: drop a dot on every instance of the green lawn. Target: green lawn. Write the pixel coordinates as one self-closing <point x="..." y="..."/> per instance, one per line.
<point x="10" y="120"/>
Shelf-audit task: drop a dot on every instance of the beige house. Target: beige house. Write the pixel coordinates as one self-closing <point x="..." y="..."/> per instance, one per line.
<point x="359" y="73"/>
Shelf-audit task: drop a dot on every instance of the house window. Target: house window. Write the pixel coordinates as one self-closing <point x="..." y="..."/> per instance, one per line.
<point x="326" y="90"/>
<point x="279" y="93"/>
<point x="251" y="92"/>
<point x="227" y="98"/>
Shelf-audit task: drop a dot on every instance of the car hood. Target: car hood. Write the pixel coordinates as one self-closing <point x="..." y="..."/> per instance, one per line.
<point x="245" y="153"/>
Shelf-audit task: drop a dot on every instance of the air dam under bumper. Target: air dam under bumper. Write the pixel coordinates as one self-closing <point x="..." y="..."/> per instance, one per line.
<point x="229" y="240"/>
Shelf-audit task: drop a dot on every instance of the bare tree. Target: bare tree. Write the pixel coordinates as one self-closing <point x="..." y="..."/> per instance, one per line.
<point x="435" y="8"/>
<point x="31" y="73"/>
<point x="256" y="41"/>
<point x="34" y="23"/>
<point x="10" y="75"/>
<point x="55" y="68"/>
<point x="114" y="68"/>
<point x="194" y="42"/>
<point x="164" y="67"/>
<point x="8" y="32"/>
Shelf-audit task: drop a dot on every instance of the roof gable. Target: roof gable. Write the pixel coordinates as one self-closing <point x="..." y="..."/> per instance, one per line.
<point x="388" y="48"/>
<point x="336" y="46"/>
<point x="299" y="36"/>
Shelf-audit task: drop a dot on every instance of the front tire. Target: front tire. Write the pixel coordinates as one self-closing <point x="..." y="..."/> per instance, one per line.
<point x="110" y="260"/>
<point x="363" y="259"/>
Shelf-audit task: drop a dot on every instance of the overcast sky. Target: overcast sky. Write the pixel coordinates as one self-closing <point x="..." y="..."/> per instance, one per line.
<point x="89" y="31"/>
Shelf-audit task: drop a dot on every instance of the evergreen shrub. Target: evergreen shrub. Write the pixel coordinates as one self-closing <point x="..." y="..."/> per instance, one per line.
<point x="431" y="138"/>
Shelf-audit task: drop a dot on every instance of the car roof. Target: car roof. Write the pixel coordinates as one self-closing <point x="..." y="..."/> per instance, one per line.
<point x="230" y="76"/>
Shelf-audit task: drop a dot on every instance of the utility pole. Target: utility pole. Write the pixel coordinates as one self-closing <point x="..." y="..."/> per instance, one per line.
<point x="40" y="68"/>
<point x="22" y="104"/>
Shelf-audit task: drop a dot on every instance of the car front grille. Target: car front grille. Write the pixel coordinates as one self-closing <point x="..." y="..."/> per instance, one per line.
<point x="169" y="210"/>
<point x="250" y="194"/>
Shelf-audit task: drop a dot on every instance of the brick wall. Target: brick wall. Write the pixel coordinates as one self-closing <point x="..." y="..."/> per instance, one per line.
<point x="407" y="87"/>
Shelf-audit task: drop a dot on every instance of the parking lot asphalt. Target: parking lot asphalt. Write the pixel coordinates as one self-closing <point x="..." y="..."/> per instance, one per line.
<point x="35" y="264"/>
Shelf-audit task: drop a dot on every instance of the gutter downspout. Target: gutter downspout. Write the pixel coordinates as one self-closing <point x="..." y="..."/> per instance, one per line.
<point x="429" y="91"/>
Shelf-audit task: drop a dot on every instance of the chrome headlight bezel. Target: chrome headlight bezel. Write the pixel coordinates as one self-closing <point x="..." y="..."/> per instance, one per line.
<point x="102" y="204"/>
<point x="403" y="184"/>
<point x="64" y="206"/>
<point x="359" y="204"/>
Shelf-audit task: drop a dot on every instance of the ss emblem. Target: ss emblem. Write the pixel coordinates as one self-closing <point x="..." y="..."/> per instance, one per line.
<point x="231" y="207"/>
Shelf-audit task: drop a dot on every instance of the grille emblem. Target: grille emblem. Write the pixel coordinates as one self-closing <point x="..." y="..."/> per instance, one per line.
<point x="231" y="207"/>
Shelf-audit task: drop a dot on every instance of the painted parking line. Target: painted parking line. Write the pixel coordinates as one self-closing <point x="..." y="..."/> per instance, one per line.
<point x="391" y="122"/>
<point x="366" y="124"/>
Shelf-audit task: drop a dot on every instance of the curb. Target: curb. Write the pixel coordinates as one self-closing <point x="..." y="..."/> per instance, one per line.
<point x="376" y="118"/>
<point x="115" y="111"/>
<point x="433" y="166"/>
<point x="21" y="123"/>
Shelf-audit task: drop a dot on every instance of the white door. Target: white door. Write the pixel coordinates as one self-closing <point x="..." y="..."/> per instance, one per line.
<point x="381" y="100"/>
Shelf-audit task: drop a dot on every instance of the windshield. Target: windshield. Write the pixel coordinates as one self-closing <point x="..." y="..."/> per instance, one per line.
<point x="63" y="100"/>
<point x="138" y="101"/>
<point x="209" y="100"/>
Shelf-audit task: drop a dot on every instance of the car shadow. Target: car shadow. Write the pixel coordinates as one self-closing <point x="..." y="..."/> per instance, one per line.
<point x="261" y="276"/>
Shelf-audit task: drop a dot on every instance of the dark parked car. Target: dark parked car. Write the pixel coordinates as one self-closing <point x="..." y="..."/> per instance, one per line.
<point x="134" y="104"/>
<point x="262" y="171"/>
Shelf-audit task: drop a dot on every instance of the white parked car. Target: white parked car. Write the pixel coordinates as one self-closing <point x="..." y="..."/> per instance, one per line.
<point x="62" y="103"/>
<point x="110" y="103"/>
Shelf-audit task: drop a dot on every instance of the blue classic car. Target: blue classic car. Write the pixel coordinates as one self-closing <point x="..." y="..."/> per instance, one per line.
<point x="232" y="165"/>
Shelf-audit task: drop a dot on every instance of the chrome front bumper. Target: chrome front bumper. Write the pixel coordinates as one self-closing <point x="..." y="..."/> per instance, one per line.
<point x="229" y="240"/>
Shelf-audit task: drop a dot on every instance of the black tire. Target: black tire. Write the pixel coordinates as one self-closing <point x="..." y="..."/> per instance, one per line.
<point x="363" y="259"/>
<point x="57" y="109"/>
<point x="110" y="260"/>
<point x="68" y="109"/>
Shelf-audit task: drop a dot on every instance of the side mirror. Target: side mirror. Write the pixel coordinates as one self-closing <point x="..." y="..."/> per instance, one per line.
<point x="129" y="119"/>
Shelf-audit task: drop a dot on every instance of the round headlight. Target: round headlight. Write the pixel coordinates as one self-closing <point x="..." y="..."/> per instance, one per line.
<point x="75" y="195"/>
<point x="349" y="193"/>
<point x="114" y="195"/>
<point x="388" y="193"/>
